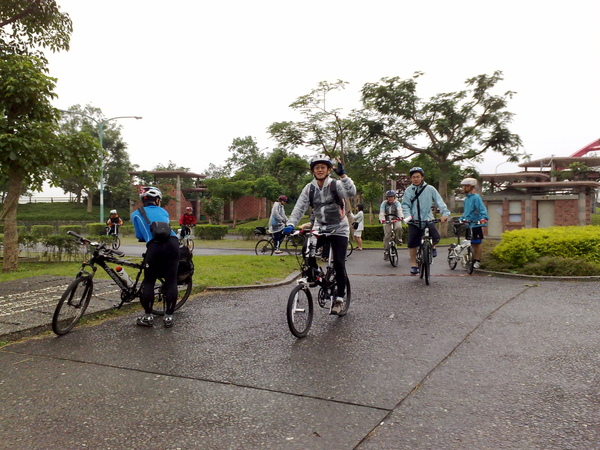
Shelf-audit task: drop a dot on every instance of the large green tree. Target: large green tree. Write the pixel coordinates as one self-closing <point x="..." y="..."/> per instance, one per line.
<point x="450" y="128"/>
<point x="323" y="129"/>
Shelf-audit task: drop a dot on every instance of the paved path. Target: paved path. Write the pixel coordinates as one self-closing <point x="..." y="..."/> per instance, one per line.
<point x="469" y="362"/>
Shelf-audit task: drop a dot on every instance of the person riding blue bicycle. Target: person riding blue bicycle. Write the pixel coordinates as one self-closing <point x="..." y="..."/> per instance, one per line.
<point x="474" y="211"/>
<point x="390" y="207"/>
<point x="326" y="197"/>
<point x="417" y="204"/>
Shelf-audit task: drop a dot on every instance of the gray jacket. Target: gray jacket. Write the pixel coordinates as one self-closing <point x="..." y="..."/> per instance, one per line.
<point x="328" y="217"/>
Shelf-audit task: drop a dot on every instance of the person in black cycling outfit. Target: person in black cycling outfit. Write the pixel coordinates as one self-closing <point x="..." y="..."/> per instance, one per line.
<point x="162" y="257"/>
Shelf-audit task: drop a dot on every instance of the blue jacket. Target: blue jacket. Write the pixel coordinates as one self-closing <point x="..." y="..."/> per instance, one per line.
<point x="142" y="228"/>
<point x="474" y="210"/>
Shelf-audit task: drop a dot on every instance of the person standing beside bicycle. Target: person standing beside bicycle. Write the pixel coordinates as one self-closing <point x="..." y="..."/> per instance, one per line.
<point x="277" y="221"/>
<point x="390" y="207"/>
<point x="186" y="221"/>
<point x="474" y="211"/>
<point x="162" y="256"/>
<point x="326" y="197"/>
<point x="359" y="225"/>
<point x="113" y="222"/>
<point x="417" y="204"/>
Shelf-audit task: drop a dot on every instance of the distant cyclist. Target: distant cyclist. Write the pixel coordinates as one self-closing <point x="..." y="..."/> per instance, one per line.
<point x="162" y="257"/>
<point x="187" y="220"/>
<point x="474" y="211"/>
<point x="113" y="222"/>
<point x="390" y="207"/>
<point x="277" y="221"/>
<point x="417" y="204"/>
<point x="326" y="196"/>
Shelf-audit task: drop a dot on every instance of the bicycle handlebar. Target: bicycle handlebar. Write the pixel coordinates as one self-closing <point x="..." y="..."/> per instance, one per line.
<point x="100" y="246"/>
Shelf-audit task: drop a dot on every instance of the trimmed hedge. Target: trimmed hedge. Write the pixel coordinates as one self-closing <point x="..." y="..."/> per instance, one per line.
<point x="521" y="247"/>
<point x="95" y="229"/>
<point x="62" y="229"/>
<point x="42" y="230"/>
<point x="210" y="232"/>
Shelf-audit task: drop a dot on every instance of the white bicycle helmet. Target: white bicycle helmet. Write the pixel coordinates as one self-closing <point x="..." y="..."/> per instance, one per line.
<point x="320" y="158"/>
<point x="469" y="182"/>
<point x="150" y="192"/>
<point x="113" y="211"/>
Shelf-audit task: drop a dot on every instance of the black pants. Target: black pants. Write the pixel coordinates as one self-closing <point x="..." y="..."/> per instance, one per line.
<point x="162" y="259"/>
<point x="339" y="245"/>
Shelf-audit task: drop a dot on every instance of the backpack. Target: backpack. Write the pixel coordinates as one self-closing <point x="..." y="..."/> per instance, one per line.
<point x="160" y="230"/>
<point x="185" y="269"/>
<point x="334" y="193"/>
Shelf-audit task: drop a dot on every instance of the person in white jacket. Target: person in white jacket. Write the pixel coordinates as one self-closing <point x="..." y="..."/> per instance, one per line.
<point x="326" y="196"/>
<point x="359" y="221"/>
<point x="277" y="221"/>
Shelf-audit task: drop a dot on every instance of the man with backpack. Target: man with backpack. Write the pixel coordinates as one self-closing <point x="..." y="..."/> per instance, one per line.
<point x="417" y="204"/>
<point x="151" y="224"/>
<point x="326" y="197"/>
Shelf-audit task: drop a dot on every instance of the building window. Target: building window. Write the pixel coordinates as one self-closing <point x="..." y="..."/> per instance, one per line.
<point x="514" y="212"/>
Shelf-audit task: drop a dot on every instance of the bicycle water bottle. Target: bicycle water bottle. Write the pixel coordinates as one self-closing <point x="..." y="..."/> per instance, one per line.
<point x="124" y="276"/>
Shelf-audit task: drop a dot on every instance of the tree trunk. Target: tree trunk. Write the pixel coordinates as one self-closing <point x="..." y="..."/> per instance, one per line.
<point x="11" y="237"/>
<point x="89" y="201"/>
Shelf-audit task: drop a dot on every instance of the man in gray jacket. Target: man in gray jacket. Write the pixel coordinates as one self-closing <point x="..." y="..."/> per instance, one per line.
<point x="326" y="197"/>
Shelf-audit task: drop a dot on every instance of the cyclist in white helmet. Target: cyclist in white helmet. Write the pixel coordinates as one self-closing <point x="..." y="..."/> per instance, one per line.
<point x="113" y="222"/>
<point x="162" y="257"/>
<point x="474" y="211"/>
<point x="326" y="197"/>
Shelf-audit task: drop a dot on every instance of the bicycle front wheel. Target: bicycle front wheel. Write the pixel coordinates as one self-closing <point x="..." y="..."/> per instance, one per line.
<point x="452" y="259"/>
<point x="426" y="257"/>
<point x="190" y="244"/>
<point x="393" y="255"/>
<point x="116" y="243"/>
<point x="184" y="289"/>
<point x="300" y="311"/>
<point x="264" y="247"/>
<point x="349" y="249"/>
<point x="72" y="305"/>
<point x="470" y="260"/>
<point x="293" y="245"/>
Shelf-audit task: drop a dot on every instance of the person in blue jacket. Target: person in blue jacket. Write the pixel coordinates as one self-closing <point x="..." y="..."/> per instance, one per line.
<point x="162" y="257"/>
<point x="417" y="204"/>
<point x="474" y="211"/>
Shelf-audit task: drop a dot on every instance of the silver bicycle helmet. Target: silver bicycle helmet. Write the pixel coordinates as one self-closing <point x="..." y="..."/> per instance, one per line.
<point x="390" y="193"/>
<point x="415" y="170"/>
<point x="320" y="158"/>
<point x="469" y="182"/>
<point x="150" y="192"/>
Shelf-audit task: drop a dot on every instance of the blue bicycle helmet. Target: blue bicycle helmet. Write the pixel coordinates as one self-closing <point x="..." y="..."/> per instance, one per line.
<point x="415" y="170"/>
<point x="390" y="193"/>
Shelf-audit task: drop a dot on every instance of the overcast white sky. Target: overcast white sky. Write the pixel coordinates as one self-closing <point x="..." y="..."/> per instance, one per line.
<point x="203" y="73"/>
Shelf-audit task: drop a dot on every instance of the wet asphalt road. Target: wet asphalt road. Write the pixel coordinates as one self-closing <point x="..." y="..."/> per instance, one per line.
<point x="467" y="362"/>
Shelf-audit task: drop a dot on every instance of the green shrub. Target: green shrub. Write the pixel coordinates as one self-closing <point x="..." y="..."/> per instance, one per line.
<point x="62" y="229"/>
<point x="521" y="247"/>
<point x="127" y="230"/>
<point x="21" y="229"/>
<point x="558" y="266"/>
<point x="210" y="232"/>
<point x="42" y="230"/>
<point x="59" y="247"/>
<point x="95" y="229"/>
<point x="247" y="233"/>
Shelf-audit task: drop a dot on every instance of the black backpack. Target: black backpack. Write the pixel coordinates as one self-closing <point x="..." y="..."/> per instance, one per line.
<point x="185" y="269"/>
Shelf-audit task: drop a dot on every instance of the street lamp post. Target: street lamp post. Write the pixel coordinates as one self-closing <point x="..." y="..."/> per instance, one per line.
<point x="100" y="126"/>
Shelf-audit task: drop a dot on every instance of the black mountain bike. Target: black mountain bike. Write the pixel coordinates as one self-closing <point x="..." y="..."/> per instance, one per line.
<point x="425" y="249"/>
<point x="76" y="298"/>
<point x="300" y="306"/>
<point x="392" y="219"/>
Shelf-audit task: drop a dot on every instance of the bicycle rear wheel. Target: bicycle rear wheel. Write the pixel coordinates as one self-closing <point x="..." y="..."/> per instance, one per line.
<point x="300" y="311"/>
<point x="116" y="243"/>
<point x="184" y="289"/>
<point x="264" y="247"/>
<point x="393" y="255"/>
<point x="72" y="305"/>
<point x="470" y="260"/>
